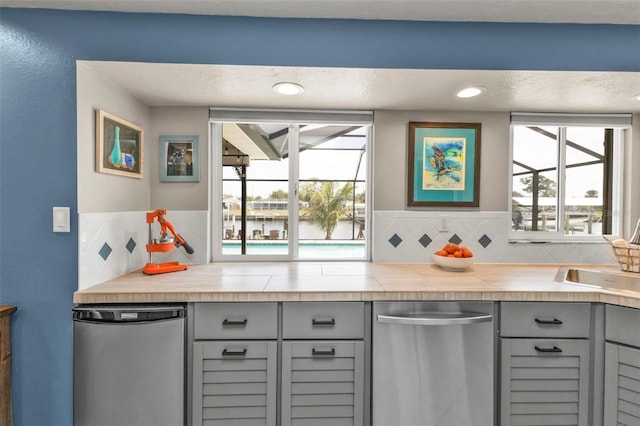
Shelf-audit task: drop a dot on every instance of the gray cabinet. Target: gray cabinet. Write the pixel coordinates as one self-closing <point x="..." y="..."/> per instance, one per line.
<point x="622" y="385"/>
<point x="234" y="364"/>
<point x="323" y="320"/>
<point x="544" y="382"/>
<point x="244" y="321"/>
<point x="287" y="363"/>
<point x="234" y="383"/>
<point x="323" y="364"/>
<point x="545" y="320"/>
<point x="622" y="366"/>
<point x="545" y="355"/>
<point x="322" y="383"/>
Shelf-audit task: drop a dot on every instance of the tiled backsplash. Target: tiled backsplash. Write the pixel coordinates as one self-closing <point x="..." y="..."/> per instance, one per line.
<point x="113" y="244"/>
<point x="412" y="237"/>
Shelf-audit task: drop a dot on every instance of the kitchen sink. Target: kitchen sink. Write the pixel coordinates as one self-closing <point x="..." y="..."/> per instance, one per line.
<point x="600" y="279"/>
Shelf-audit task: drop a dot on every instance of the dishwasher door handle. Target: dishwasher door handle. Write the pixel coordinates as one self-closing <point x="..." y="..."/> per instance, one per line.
<point x="436" y="318"/>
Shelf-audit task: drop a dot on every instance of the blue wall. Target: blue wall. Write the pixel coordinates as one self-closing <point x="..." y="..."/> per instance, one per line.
<point x="38" y="269"/>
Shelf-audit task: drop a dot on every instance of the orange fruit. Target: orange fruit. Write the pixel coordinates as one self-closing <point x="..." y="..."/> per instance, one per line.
<point x="457" y="253"/>
<point x="450" y="248"/>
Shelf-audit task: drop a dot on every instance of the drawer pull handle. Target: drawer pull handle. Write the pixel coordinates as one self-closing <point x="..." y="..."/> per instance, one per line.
<point x="548" y="322"/>
<point x="330" y="322"/>
<point x="555" y="349"/>
<point x="314" y="352"/>
<point x="226" y="352"/>
<point x="241" y="323"/>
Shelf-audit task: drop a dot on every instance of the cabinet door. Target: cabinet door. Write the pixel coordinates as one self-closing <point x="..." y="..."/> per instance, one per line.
<point x="544" y="382"/>
<point x="322" y="383"/>
<point x="622" y="385"/>
<point x="234" y="383"/>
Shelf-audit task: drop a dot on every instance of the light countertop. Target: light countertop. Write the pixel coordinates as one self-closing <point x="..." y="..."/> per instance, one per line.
<point x="353" y="281"/>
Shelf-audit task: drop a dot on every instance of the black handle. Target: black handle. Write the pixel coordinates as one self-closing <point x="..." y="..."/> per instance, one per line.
<point x="330" y="322"/>
<point x="232" y="322"/>
<point x="332" y="352"/>
<point x="127" y="315"/>
<point x="228" y="352"/>
<point x="548" y="322"/>
<point x="186" y="245"/>
<point x="555" y="349"/>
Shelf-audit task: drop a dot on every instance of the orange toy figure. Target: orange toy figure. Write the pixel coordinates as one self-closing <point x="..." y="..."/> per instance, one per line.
<point x="164" y="244"/>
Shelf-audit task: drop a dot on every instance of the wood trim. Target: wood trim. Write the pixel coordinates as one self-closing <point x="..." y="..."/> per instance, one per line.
<point x="5" y="365"/>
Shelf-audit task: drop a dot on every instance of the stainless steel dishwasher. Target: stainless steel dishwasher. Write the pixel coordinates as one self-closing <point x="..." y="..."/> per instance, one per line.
<point x="129" y="365"/>
<point x="433" y="364"/>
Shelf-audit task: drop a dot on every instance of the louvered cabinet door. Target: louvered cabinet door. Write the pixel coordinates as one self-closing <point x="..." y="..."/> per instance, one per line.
<point x="234" y="383"/>
<point x="323" y="383"/>
<point x="622" y="385"/>
<point x="544" y="382"/>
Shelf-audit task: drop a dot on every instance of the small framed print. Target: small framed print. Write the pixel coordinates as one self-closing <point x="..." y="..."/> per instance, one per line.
<point x="179" y="159"/>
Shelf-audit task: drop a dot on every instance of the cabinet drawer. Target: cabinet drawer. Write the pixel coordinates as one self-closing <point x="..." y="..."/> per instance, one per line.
<point x="622" y="325"/>
<point x="323" y="320"/>
<point x="235" y="321"/>
<point x="542" y="319"/>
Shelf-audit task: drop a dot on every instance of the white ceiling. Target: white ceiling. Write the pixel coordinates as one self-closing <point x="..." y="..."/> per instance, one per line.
<point x="577" y="11"/>
<point x="341" y="88"/>
<point x="371" y="89"/>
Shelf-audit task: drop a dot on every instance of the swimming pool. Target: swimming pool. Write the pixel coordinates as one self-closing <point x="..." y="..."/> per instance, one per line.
<point x="306" y="249"/>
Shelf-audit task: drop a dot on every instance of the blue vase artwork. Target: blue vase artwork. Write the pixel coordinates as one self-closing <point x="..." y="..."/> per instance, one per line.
<point x="118" y="158"/>
<point x="116" y="153"/>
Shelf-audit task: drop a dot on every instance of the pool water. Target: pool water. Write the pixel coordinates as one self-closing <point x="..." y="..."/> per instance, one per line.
<point x="308" y="250"/>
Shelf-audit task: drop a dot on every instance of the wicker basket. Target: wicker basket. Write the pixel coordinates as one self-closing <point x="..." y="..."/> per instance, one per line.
<point x="628" y="257"/>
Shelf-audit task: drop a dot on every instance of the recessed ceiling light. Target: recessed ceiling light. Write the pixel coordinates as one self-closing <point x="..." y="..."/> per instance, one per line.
<point x="288" y="88"/>
<point x="470" y="92"/>
<point x="636" y="97"/>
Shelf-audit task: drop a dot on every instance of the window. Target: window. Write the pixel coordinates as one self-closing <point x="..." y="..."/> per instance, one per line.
<point x="566" y="176"/>
<point x="290" y="184"/>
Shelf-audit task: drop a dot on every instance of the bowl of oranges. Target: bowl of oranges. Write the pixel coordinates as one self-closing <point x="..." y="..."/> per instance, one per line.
<point x="453" y="257"/>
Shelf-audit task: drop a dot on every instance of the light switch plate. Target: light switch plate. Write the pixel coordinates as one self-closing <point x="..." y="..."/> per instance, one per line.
<point x="61" y="219"/>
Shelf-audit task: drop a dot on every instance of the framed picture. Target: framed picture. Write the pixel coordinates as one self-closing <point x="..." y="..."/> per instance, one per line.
<point x="119" y="146"/>
<point x="179" y="159"/>
<point x="444" y="164"/>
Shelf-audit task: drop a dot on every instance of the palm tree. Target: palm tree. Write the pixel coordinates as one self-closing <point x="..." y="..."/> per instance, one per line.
<point x="327" y="206"/>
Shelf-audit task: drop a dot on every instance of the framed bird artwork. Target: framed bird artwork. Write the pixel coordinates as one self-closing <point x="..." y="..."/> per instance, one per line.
<point x="444" y="164"/>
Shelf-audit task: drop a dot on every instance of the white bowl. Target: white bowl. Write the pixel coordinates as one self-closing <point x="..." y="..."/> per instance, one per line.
<point x="453" y="263"/>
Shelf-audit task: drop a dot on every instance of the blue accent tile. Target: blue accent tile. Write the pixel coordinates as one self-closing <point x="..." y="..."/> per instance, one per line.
<point x="484" y="241"/>
<point x="425" y="240"/>
<point x="131" y="245"/>
<point x="455" y="239"/>
<point x="395" y="240"/>
<point x="105" y="251"/>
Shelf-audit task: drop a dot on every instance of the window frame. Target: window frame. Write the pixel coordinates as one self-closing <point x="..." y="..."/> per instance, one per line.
<point x="613" y="170"/>
<point x="294" y="118"/>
